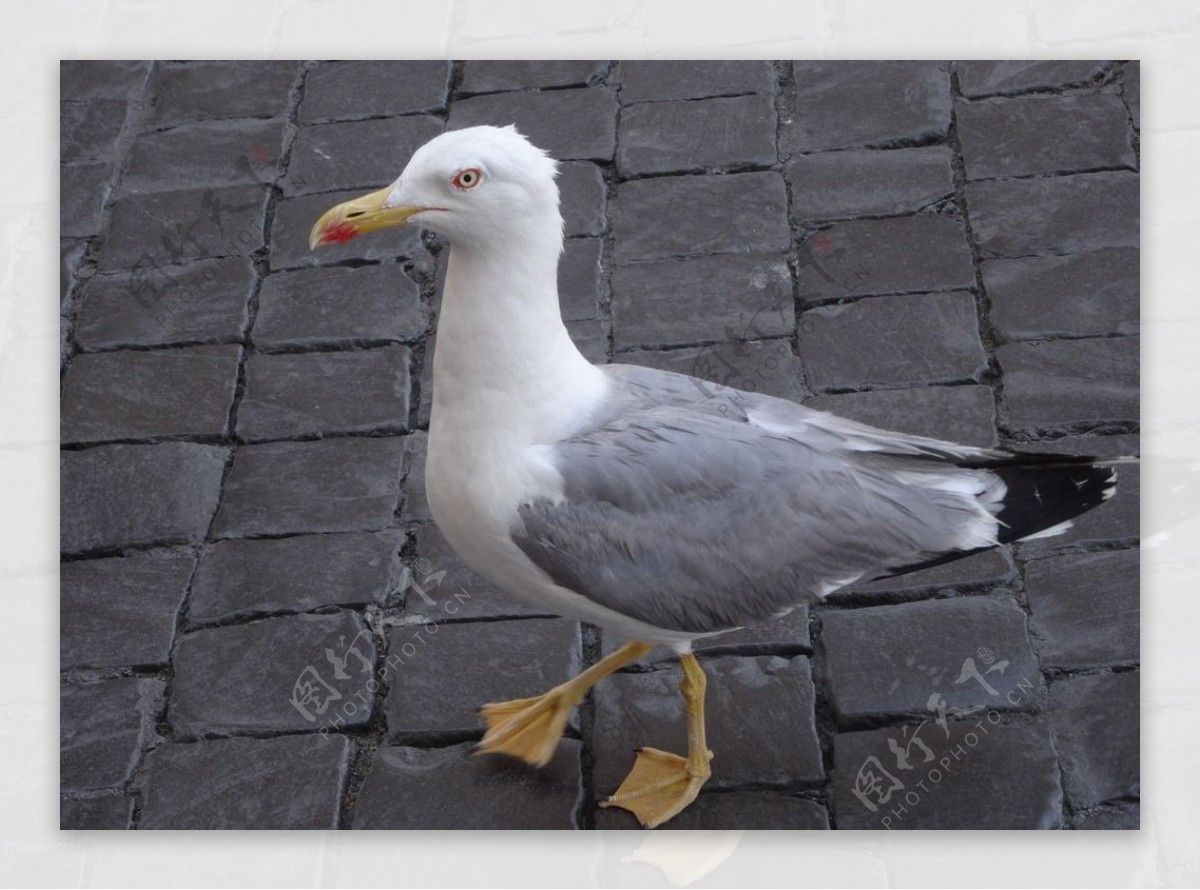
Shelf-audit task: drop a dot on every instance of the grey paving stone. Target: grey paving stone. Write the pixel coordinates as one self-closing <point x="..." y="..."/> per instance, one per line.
<point x="441" y="673"/>
<point x="102" y="728"/>
<point x="364" y="155"/>
<point x="787" y="636"/>
<point x="339" y="307"/>
<point x="96" y="79"/>
<point x="88" y="131"/>
<point x="95" y="813"/>
<point x="698" y="215"/>
<point x="335" y="485"/>
<point x="295" y="217"/>
<point x="725" y="369"/>
<point x="1125" y="817"/>
<point x="159" y="305"/>
<point x="642" y="81"/>
<point x="732" y="810"/>
<point x="439" y="585"/>
<point x="759" y="721"/>
<point x="589" y="338"/>
<point x="299" y="672"/>
<point x="984" y="78"/>
<point x="494" y="76"/>
<point x="121" y="611"/>
<point x="335" y="90"/>
<point x="917" y="338"/>
<point x="989" y="568"/>
<point x="1007" y="137"/>
<point x="223" y="89"/>
<point x="864" y="182"/>
<point x="416" y="502"/>
<point x="83" y="190"/>
<point x="1047" y="296"/>
<point x="447" y="788"/>
<point x="1054" y="384"/>
<point x="140" y="395"/>
<point x="582" y="198"/>
<point x="884" y="256"/>
<point x="1055" y="214"/>
<point x="569" y="124"/>
<point x="1131" y="89"/>
<point x="151" y="230"/>
<point x="1096" y="726"/>
<point x="239" y="578"/>
<point x="207" y="154"/>
<point x="325" y="392"/>
<point x="1118" y="519"/>
<point x="900" y="659"/>
<point x="292" y="782"/>
<point x="707" y="134"/>
<point x="846" y="105"/>
<point x="115" y="495"/>
<point x="676" y="301"/>
<point x="964" y="414"/>
<point x="580" y="278"/>
<point x="1085" y="608"/>
<point x="981" y="775"/>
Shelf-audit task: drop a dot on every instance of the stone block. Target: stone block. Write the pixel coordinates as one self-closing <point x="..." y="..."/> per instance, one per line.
<point x="346" y="90"/>
<point x="290" y="674"/>
<point x="846" y="105"/>
<point x="117" y="495"/>
<point x="892" y="341"/>
<point x="955" y="654"/>
<point x="1085" y="608"/>
<point x="697" y="135"/>
<point x="447" y="788"/>
<point x="674" y="216"/>
<point x="678" y="301"/>
<point x="302" y="394"/>
<point x="364" y="155"/>
<point x="291" y="782"/>
<point x="142" y="395"/>
<point x="120" y="612"/>
<point x="269" y="576"/>
<point x="334" y="485"/>
<point x="569" y="124"/>
<point x="862" y="182"/>
<point x="161" y="305"/>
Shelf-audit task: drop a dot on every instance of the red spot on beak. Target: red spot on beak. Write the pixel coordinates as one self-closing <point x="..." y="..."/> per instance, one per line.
<point x="338" y="233"/>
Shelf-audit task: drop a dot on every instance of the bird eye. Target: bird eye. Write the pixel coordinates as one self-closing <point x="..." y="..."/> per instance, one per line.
<point x="466" y="179"/>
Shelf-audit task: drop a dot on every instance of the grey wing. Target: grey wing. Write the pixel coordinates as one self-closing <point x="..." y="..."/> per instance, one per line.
<point x="698" y="520"/>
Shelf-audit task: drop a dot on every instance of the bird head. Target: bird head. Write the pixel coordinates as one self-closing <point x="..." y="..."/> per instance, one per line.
<point x="470" y="185"/>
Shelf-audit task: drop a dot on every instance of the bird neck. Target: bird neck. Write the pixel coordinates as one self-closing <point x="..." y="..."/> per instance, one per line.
<point x="503" y="355"/>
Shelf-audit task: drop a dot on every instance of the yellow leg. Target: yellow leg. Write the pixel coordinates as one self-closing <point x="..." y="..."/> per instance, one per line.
<point x="661" y="784"/>
<point x="529" y="728"/>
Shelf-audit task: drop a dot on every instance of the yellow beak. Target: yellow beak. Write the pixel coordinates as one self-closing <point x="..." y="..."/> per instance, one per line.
<point x="358" y="216"/>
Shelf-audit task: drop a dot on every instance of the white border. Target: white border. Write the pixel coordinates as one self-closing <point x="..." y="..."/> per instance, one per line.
<point x="1165" y="34"/>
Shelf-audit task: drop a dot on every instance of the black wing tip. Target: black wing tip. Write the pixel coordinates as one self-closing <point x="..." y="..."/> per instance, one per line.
<point x="1040" y="497"/>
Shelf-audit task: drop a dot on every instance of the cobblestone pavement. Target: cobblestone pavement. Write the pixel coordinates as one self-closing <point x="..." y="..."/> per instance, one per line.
<point x="261" y="627"/>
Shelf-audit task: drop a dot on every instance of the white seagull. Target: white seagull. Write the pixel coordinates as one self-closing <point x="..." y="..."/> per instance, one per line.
<point x="627" y="496"/>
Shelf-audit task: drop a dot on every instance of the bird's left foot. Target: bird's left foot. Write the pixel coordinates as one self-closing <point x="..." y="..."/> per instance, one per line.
<point x="527" y="728"/>
<point x="661" y="785"/>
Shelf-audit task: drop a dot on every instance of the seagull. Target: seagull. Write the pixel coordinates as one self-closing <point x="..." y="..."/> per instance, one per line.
<point x="630" y="497"/>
